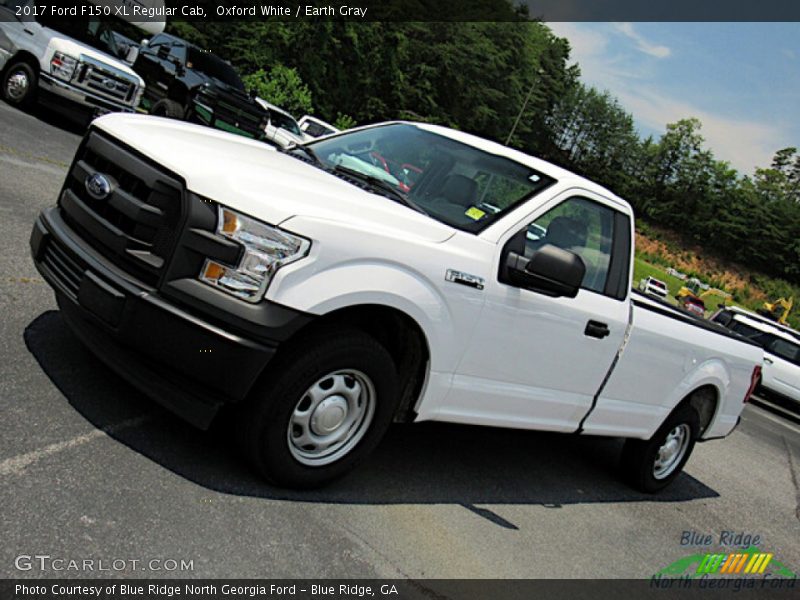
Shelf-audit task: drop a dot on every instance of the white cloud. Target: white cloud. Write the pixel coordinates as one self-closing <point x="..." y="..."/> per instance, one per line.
<point x="642" y="44"/>
<point x="744" y="142"/>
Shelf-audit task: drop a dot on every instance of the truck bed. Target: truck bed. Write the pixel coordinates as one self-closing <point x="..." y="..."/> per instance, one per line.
<point x="669" y="353"/>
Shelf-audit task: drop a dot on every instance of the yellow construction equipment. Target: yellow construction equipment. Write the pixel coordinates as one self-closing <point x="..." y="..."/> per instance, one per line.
<point x="693" y="288"/>
<point x="691" y="295"/>
<point x="778" y="310"/>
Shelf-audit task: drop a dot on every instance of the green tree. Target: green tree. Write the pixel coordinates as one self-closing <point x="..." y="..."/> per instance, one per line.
<point x="283" y="87"/>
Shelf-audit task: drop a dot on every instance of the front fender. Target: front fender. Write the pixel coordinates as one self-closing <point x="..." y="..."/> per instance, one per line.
<point x="381" y="283"/>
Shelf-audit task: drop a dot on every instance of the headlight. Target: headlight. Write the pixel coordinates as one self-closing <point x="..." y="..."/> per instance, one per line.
<point x="63" y="66"/>
<point x="266" y="249"/>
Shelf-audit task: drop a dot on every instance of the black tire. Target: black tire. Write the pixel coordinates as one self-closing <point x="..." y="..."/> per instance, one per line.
<point x="264" y="420"/>
<point x="17" y="73"/>
<point x="169" y="109"/>
<point x="639" y="456"/>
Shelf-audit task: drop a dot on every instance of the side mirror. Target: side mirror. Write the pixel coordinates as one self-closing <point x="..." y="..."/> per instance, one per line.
<point x="551" y="270"/>
<point x="132" y="54"/>
<point x="144" y="43"/>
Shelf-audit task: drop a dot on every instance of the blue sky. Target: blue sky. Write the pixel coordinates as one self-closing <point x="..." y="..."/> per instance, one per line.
<point x="742" y="80"/>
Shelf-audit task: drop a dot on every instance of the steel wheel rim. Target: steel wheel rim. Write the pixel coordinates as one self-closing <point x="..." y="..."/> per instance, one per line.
<point x="17" y="85"/>
<point x="331" y="417"/>
<point x="672" y="451"/>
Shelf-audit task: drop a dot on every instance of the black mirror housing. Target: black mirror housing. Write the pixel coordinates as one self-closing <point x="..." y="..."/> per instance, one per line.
<point x="551" y="270"/>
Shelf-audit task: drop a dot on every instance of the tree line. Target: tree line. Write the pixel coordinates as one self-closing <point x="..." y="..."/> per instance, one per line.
<point x="476" y="76"/>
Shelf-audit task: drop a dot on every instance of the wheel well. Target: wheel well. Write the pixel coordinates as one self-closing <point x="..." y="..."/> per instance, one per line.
<point x="704" y="400"/>
<point x="400" y="334"/>
<point x="22" y="56"/>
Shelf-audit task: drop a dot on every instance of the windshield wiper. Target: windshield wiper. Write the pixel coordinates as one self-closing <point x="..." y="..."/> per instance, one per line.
<point x="380" y="185"/>
<point x="307" y="151"/>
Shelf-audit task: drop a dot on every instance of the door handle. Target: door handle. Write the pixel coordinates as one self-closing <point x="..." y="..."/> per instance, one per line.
<point x="28" y="31"/>
<point x="769" y="361"/>
<point x="596" y="329"/>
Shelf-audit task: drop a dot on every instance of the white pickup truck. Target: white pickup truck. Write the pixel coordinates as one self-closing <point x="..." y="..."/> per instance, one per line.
<point x="70" y="63"/>
<point x="321" y="302"/>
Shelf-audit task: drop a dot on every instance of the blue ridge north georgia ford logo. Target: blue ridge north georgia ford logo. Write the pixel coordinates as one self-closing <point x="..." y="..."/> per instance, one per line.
<point x="98" y="186"/>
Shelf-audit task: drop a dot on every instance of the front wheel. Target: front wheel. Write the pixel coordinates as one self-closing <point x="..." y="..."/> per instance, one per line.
<point x="19" y="84"/>
<point x="168" y="108"/>
<point x="651" y="465"/>
<point x="320" y="409"/>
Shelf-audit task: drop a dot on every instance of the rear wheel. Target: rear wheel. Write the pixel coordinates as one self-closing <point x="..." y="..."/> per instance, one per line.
<point x="651" y="465"/>
<point x="19" y="83"/>
<point x="320" y="410"/>
<point x="168" y="108"/>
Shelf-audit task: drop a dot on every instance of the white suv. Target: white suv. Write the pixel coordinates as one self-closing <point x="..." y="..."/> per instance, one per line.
<point x="654" y="287"/>
<point x="781" y="372"/>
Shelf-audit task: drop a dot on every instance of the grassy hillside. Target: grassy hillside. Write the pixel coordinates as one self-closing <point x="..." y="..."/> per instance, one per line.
<point x="658" y="249"/>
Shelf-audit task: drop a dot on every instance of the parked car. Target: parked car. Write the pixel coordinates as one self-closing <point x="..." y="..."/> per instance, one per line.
<point x="737" y="310"/>
<point x="321" y="303"/>
<point x="780" y="375"/>
<point x="314" y="127"/>
<point x="69" y="64"/>
<point x="654" y="287"/>
<point x="188" y="83"/>
<point x="281" y="129"/>
<point x="693" y="304"/>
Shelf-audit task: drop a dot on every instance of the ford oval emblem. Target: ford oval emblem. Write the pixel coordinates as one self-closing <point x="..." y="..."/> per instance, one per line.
<point x="98" y="186"/>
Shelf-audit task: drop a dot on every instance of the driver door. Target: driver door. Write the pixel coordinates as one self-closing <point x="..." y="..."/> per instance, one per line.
<point x="537" y="361"/>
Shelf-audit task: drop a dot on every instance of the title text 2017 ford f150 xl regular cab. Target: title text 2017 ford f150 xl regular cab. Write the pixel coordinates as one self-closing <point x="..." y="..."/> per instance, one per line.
<point x="305" y="289"/>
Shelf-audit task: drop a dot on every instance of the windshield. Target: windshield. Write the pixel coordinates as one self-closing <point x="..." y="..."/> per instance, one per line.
<point x="315" y="129"/>
<point x="92" y="31"/>
<point x="285" y="122"/>
<point x="452" y="182"/>
<point x="213" y="66"/>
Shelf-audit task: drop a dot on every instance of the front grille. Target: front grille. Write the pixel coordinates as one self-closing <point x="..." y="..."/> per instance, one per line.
<point x="65" y="267"/>
<point x="136" y="225"/>
<point x="94" y="77"/>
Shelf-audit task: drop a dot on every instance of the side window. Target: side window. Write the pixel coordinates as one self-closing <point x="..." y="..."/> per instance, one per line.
<point x="178" y="52"/>
<point x="156" y="44"/>
<point x="784" y="349"/>
<point x="580" y="226"/>
<point x="724" y="318"/>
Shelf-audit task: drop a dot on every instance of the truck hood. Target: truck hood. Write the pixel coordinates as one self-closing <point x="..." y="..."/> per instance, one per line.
<point x="256" y="179"/>
<point x="67" y="45"/>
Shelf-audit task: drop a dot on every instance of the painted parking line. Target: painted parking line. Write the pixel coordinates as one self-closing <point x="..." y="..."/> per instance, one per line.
<point x="762" y="412"/>
<point x="16" y="464"/>
<point x="37" y="166"/>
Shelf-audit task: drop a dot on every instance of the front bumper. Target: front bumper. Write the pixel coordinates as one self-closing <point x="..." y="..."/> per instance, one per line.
<point x="190" y="364"/>
<point x="80" y="99"/>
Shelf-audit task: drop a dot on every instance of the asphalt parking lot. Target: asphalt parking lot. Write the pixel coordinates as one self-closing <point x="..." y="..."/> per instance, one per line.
<point x="89" y="469"/>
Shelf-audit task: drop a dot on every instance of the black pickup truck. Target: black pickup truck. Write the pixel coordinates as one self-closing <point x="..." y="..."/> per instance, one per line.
<point x="185" y="82"/>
